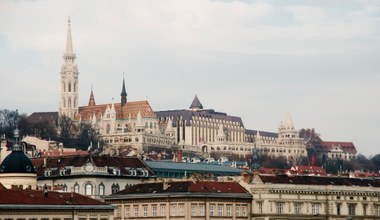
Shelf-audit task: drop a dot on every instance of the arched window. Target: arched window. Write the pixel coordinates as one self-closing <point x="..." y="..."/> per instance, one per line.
<point x="69" y="103"/>
<point x="75" y="87"/>
<point x="101" y="189"/>
<point x="64" y="103"/>
<point x="88" y="189"/>
<point x="76" y="188"/>
<point x="64" y="87"/>
<point x="69" y="87"/>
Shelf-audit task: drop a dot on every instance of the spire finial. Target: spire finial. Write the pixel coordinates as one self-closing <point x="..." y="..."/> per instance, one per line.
<point x="69" y="42"/>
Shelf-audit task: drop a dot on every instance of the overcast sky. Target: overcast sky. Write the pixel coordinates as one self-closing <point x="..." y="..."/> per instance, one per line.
<point x="260" y="60"/>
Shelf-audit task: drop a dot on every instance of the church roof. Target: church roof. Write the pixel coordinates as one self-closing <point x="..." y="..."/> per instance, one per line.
<point x="129" y="109"/>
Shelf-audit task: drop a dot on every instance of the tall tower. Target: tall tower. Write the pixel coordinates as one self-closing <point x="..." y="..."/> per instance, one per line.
<point x="69" y="80"/>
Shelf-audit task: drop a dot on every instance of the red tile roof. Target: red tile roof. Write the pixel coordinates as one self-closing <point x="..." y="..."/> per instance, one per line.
<point x="34" y="197"/>
<point x="348" y="147"/>
<point x="129" y="109"/>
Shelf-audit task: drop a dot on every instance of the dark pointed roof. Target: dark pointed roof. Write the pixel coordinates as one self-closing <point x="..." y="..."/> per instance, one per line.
<point x="196" y="104"/>
<point x="91" y="102"/>
<point x="123" y="91"/>
<point x="123" y="94"/>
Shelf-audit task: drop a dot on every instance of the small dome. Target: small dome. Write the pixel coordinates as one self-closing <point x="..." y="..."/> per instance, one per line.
<point x="17" y="162"/>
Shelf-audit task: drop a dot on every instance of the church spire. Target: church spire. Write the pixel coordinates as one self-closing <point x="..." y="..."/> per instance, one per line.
<point x="69" y="79"/>
<point x="69" y="42"/>
<point x="91" y="102"/>
<point x="123" y="94"/>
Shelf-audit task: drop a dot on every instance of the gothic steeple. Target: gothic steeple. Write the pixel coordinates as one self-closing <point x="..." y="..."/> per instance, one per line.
<point x="69" y="79"/>
<point x="123" y="94"/>
<point x="91" y="102"/>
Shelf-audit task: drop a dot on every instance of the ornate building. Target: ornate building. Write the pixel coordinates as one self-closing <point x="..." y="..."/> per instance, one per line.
<point x="208" y="131"/>
<point x="93" y="176"/>
<point x="313" y="197"/>
<point x="183" y="201"/>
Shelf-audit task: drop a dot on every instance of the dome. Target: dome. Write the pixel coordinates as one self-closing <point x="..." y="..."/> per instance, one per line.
<point x="17" y="162"/>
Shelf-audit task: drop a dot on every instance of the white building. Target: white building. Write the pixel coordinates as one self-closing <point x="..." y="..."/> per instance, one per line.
<point x="312" y="197"/>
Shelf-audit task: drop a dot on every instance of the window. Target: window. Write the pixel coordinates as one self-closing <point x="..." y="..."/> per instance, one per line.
<point x="297" y="208"/>
<point x="173" y="210"/>
<point x="101" y="189"/>
<point x="338" y="207"/>
<point x="88" y="189"/>
<point x="118" y="212"/>
<point x="279" y="207"/>
<point x="201" y="209"/>
<point x="260" y="207"/>
<point x="365" y="209"/>
<point x="229" y="208"/>
<point x="154" y="210"/>
<point x="377" y="210"/>
<point x="76" y="188"/>
<point x="237" y="211"/>
<point x="145" y="211"/>
<point x="180" y="210"/>
<point x="244" y="211"/>
<point x="212" y="210"/>
<point x="162" y="210"/>
<point x="315" y="209"/>
<point x="351" y="209"/>
<point x="220" y="210"/>
<point x="136" y="210"/>
<point x="193" y="209"/>
<point x="127" y="210"/>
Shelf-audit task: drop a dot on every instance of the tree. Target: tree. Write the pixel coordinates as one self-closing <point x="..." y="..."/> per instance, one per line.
<point x="376" y="162"/>
<point x="312" y="141"/>
<point x="8" y="122"/>
<point x="86" y="137"/>
<point x="65" y="125"/>
<point x="37" y="128"/>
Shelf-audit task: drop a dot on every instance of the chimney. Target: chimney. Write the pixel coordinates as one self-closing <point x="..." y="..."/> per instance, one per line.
<point x="45" y="190"/>
<point x="165" y="185"/>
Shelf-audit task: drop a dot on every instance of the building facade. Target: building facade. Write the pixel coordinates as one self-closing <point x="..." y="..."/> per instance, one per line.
<point x="183" y="201"/>
<point x="311" y="197"/>
<point x="93" y="176"/>
<point x="47" y="205"/>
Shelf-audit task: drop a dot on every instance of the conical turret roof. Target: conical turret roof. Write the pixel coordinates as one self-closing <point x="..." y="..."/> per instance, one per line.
<point x="196" y="104"/>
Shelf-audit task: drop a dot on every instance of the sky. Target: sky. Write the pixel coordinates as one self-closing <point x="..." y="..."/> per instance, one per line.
<point x="318" y="61"/>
